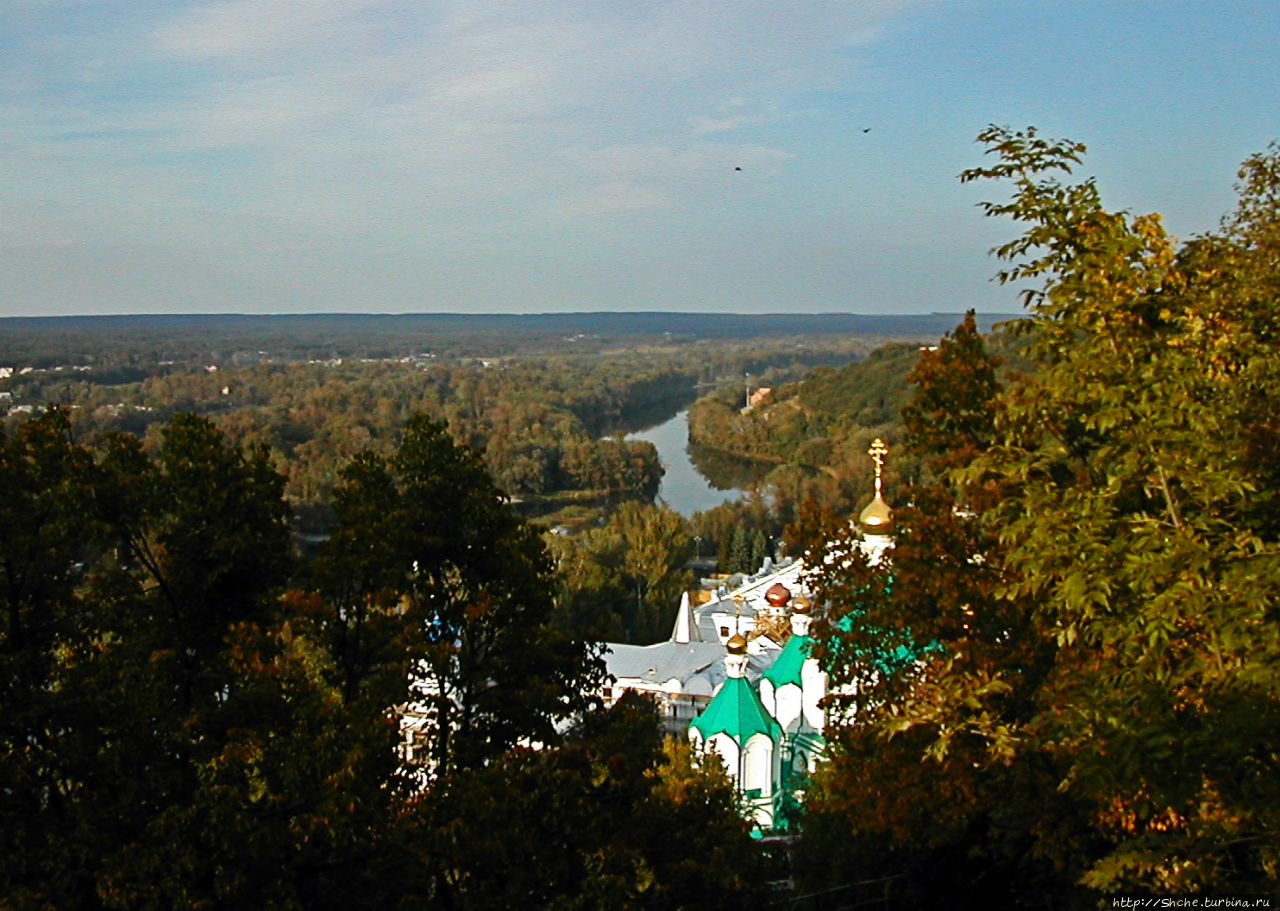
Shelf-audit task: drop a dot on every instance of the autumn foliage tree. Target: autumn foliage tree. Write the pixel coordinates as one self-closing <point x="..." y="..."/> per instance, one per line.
<point x="1092" y="586"/>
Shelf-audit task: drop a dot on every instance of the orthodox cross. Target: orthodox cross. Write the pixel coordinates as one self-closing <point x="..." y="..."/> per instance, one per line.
<point x="877" y="452"/>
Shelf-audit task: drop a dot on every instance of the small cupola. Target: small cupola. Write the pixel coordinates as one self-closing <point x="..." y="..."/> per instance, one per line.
<point x="800" y="617"/>
<point x="876" y="517"/>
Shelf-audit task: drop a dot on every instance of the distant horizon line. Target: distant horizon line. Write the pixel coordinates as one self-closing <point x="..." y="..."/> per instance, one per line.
<point x="505" y="314"/>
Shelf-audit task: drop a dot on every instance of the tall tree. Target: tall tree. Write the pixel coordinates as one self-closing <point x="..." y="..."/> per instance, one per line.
<point x="48" y="531"/>
<point x="907" y="792"/>
<point x="430" y="576"/>
<point x="951" y="415"/>
<point x="656" y="546"/>
<point x="1118" y="654"/>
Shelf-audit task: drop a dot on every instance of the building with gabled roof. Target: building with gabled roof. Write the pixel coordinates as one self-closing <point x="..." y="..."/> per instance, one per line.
<point x="684" y="672"/>
<point x="737" y="726"/>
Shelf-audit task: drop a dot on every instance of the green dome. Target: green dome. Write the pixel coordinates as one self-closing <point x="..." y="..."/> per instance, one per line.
<point x="738" y="712"/>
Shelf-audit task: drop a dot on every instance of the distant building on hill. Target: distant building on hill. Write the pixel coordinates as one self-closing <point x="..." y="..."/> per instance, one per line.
<point x="758" y="397"/>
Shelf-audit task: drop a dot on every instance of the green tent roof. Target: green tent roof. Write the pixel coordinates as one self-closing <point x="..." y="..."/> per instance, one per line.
<point x="737" y="711"/>
<point x="786" y="669"/>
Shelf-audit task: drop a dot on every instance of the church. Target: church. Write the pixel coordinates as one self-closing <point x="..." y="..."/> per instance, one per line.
<point x="737" y="676"/>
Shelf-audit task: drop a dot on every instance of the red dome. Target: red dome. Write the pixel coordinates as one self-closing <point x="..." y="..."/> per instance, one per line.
<point x="777" y="595"/>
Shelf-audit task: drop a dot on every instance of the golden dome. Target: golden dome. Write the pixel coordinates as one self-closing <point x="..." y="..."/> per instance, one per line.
<point x="737" y="645"/>
<point x="877" y="516"/>
<point x="800" y="605"/>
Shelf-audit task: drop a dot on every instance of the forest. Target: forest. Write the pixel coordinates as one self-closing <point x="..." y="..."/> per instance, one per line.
<point x="544" y="408"/>
<point x="546" y="414"/>
<point x="1058" y="690"/>
<point x="195" y="716"/>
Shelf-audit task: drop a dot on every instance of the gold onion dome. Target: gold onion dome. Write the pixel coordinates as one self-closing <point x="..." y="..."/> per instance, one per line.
<point x="877" y="516"/>
<point x="737" y="645"/>
<point x="800" y="605"/>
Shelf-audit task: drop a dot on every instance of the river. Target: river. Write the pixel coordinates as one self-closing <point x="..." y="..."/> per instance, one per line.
<point x="683" y="488"/>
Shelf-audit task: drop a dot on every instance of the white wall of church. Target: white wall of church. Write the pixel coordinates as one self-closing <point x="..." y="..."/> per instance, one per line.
<point x="758" y="765"/>
<point x="814" y="682"/>
<point x="727" y="747"/>
<point x="788" y="707"/>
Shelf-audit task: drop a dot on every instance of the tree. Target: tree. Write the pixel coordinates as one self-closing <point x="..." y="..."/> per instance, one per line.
<point x="48" y="532"/>
<point x="910" y="791"/>
<point x="626" y="578"/>
<point x="1104" y="631"/>
<point x="613" y="818"/>
<point x="951" y="416"/>
<point x="430" y="577"/>
<point x="176" y="749"/>
<point x="591" y="596"/>
<point x="656" y="546"/>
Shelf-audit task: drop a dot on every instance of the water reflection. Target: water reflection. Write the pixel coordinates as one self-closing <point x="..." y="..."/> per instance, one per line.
<point x="727" y="472"/>
<point x="696" y="479"/>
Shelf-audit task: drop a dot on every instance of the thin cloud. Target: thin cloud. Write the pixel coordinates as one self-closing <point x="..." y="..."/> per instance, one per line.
<point x="262" y="28"/>
<point x="615" y="197"/>
<point x="350" y="127"/>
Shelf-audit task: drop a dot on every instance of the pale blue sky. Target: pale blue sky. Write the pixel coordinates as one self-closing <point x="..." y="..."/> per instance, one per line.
<point x="264" y="156"/>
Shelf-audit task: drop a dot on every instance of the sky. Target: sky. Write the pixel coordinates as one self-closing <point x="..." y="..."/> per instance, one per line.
<point x="515" y="156"/>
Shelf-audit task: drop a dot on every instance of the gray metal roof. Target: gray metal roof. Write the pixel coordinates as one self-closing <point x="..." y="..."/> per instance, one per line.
<point x="661" y="661"/>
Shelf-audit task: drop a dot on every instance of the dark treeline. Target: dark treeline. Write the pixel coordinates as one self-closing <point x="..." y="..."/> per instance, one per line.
<point x="195" y="339"/>
<point x="193" y="716"/>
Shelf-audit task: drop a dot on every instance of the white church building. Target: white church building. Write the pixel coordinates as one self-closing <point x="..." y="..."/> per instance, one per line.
<point x="737" y="675"/>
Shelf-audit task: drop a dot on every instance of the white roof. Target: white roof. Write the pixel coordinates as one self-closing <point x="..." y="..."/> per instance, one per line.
<point x="696" y="667"/>
<point x="656" y="664"/>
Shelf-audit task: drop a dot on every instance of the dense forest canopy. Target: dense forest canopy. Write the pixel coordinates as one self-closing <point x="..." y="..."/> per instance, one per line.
<point x="1087" y="573"/>
<point x="543" y="398"/>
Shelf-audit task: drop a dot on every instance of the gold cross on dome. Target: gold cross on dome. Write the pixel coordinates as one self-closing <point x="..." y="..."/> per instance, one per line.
<point x="877" y="452"/>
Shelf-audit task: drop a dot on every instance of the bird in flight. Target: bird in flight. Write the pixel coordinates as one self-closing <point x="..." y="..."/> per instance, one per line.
<point x="738" y="169"/>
